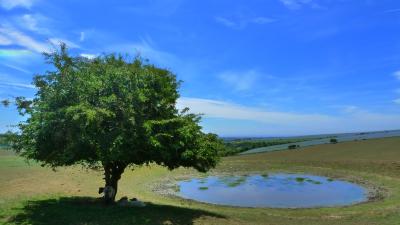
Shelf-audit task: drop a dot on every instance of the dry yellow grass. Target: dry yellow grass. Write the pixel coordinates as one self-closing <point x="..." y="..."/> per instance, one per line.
<point x="35" y="195"/>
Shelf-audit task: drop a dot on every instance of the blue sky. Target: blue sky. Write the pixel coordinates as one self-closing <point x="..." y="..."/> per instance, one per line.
<point x="254" y="67"/>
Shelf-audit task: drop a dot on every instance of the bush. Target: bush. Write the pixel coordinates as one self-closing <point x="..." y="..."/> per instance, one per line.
<point x="293" y="146"/>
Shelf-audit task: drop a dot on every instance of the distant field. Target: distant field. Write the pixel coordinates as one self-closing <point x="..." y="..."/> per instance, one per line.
<point x="235" y="146"/>
<point x="34" y="195"/>
<point x="313" y="140"/>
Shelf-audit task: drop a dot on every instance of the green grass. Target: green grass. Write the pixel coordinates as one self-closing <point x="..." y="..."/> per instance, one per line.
<point x="39" y="196"/>
<point x="236" y="146"/>
<point x="83" y="210"/>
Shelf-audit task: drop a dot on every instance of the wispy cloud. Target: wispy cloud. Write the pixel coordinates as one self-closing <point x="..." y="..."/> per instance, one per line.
<point x="14" y="53"/>
<point x="392" y="11"/>
<point x="220" y="109"/>
<point x="225" y="22"/>
<point x="397" y="101"/>
<point x="4" y="40"/>
<point x="148" y="50"/>
<point x="153" y="8"/>
<point x="33" y="22"/>
<point x="397" y="75"/>
<point x="82" y="36"/>
<point x="31" y="31"/>
<point x="89" y="56"/>
<point x="285" y="122"/>
<point x="298" y="4"/>
<point x="17" y="85"/>
<point x="23" y="40"/>
<point x="10" y="4"/>
<point x="58" y="41"/>
<point x="350" y="109"/>
<point x="16" y="68"/>
<point x="241" y="80"/>
<point x="241" y="23"/>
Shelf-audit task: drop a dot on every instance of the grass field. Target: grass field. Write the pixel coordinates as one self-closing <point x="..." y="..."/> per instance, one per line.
<point x="34" y="195"/>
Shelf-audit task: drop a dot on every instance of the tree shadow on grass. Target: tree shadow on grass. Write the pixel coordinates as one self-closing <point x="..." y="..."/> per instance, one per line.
<point x="90" y="211"/>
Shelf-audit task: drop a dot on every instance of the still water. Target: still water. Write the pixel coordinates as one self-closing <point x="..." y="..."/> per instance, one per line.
<point x="273" y="190"/>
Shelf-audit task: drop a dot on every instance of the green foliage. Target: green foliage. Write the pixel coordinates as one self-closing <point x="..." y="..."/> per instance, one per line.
<point x="5" y="140"/>
<point x="333" y="141"/>
<point x="5" y="102"/>
<point x="241" y="145"/>
<point x="293" y="147"/>
<point x="113" y="112"/>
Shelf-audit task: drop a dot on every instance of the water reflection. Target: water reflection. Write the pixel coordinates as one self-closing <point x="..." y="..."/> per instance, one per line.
<point x="273" y="190"/>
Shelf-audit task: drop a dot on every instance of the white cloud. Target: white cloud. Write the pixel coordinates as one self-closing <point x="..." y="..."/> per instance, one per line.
<point x="58" y="41"/>
<point x="89" y="56"/>
<point x="24" y="40"/>
<point x="32" y="22"/>
<point x="350" y="109"/>
<point x="146" y="49"/>
<point x="397" y="75"/>
<point x="240" y="81"/>
<point x="226" y="22"/>
<point x="397" y="101"/>
<point x="285" y="123"/>
<point x="4" y="40"/>
<point x="153" y="7"/>
<point x="392" y="11"/>
<point x="19" y="55"/>
<point x="10" y="33"/>
<point x="262" y="20"/>
<point x="10" y="4"/>
<point x="220" y="109"/>
<point x="297" y="4"/>
<point x="82" y="36"/>
<point x="17" y="85"/>
<point x="18" y="68"/>
<point x="243" y="22"/>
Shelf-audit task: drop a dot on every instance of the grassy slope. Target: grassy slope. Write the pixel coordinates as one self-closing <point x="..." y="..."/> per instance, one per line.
<point x="35" y="195"/>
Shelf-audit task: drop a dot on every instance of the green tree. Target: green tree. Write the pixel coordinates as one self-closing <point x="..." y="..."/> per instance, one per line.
<point x="110" y="113"/>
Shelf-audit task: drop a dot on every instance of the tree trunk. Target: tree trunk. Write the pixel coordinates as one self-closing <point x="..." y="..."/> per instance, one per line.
<point x="112" y="174"/>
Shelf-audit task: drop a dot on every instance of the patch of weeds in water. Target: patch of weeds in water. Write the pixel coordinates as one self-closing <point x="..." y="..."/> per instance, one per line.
<point x="329" y="179"/>
<point x="300" y="179"/>
<point x="265" y="175"/>
<point x="315" y="182"/>
<point x="176" y="188"/>
<point x="237" y="182"/>
<point x="312" y="181"/>
<point x="203" y="188"/>
<point x="202" y="181"/>
<point x="233" y="181"/>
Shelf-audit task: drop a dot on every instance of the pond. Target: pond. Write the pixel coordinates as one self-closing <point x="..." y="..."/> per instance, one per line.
<point x="273" y="190"/>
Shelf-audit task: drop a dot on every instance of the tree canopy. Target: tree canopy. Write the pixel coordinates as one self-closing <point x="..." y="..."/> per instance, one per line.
<point x="110" y="112"/>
